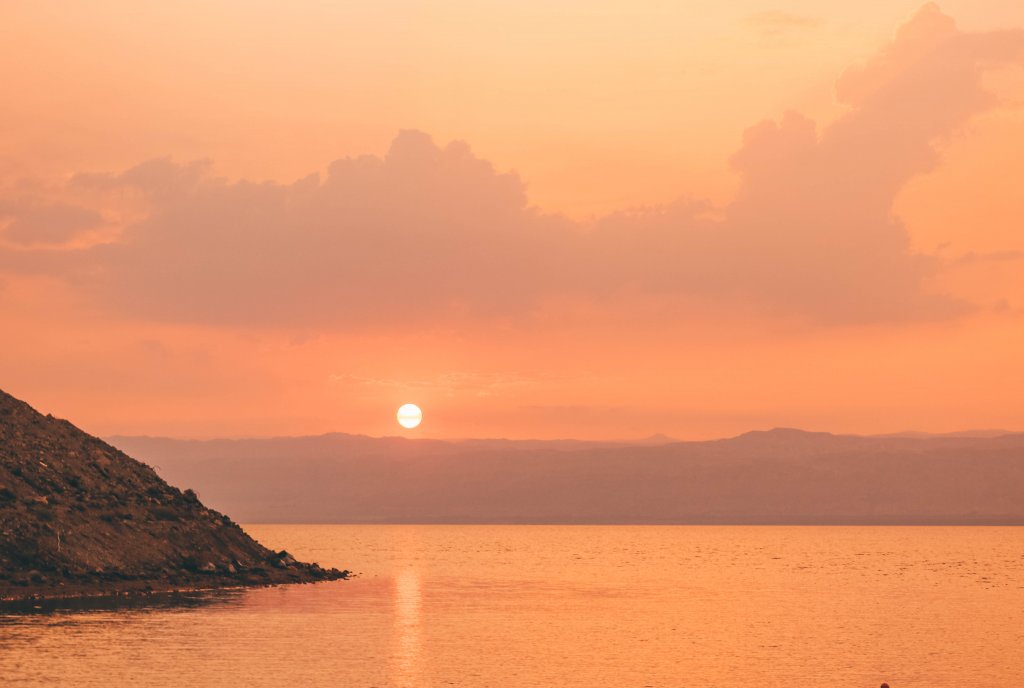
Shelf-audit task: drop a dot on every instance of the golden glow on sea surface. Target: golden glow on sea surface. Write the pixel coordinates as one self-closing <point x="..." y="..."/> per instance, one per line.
<point x="409" y="415"/>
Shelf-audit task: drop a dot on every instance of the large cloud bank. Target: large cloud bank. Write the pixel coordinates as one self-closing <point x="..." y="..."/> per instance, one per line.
<point x="429" y="233"/>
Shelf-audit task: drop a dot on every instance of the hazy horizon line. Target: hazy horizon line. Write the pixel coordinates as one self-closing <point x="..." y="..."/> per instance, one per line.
<point x="663" y="438"/>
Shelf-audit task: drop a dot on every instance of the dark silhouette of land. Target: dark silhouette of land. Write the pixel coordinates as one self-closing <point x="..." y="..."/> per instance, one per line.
<point x="780" y="476"/>
<point x="79" y="517"/>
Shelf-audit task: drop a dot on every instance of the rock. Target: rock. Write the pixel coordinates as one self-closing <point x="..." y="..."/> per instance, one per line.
<point x="96" y="521"/>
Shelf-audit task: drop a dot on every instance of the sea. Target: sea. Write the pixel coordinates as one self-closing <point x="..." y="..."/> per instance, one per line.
<point x="488" y="606"/>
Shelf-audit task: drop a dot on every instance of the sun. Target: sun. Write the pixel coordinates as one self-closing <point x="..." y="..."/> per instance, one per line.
<point x="409" y="415"/>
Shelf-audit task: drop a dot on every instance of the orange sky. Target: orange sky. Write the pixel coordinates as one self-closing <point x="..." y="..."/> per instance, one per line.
<point x="588" y="219"/>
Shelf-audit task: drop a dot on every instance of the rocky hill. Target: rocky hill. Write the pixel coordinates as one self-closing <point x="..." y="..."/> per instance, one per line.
<point x="79" y="517"/>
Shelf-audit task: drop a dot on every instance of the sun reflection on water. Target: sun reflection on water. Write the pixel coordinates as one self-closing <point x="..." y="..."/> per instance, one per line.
<point x="407" y="656"/>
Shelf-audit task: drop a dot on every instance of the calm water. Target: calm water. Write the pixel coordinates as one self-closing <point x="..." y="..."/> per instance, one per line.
<point x="570" y="606"/>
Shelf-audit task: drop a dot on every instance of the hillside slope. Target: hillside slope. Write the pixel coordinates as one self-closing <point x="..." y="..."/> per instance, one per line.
<point x="78" y="516"/>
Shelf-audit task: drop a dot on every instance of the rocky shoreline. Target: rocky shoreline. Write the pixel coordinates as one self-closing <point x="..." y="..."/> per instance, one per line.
<point x="280" y="569"/>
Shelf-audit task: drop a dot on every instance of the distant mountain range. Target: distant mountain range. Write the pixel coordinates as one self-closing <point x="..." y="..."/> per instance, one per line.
<point x="992" y="432"/>
<point x="779" y="476"/>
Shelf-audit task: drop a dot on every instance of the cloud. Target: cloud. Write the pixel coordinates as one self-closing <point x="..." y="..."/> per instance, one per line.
<point x="29" y="222"/>
<point x="423" y="233"/>
<point x="431" y="234"/>
<point x="812" y="230"/>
